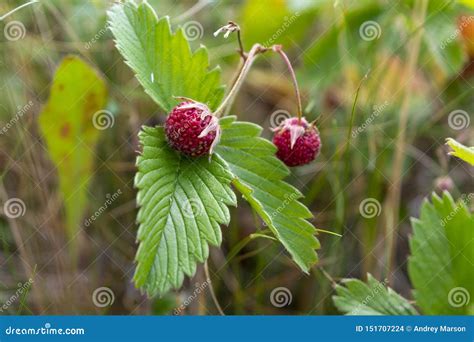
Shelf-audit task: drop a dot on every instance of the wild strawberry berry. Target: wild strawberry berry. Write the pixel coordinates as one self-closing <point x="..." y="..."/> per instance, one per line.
<point x="297" y="141"/>
<point x="192" y="129"/>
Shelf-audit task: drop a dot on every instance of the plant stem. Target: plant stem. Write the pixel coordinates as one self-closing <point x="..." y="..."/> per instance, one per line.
<point x="394" y="193"/>
<point x="278" y="49"/>
<point x="328" y="232"/>
<point x="240" y="245"/>
<point x="241" y="46"/>
<point x="328" y="276"/>
<point x="211" y="288"/>
<point x="254" y="52"/>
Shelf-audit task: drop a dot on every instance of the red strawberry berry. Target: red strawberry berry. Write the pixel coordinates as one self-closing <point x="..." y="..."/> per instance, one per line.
<point x="192" y="129"/>
<point x="297" y="141"/>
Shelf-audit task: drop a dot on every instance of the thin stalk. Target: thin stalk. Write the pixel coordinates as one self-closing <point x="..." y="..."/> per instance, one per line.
<point x="394" y="193"/>
<point x="211" y="288"/>
<point x="254" y="52"/>
<point x="328" y="276"/>
<point x="351" y="121"/>
<point x="241" y="46"/>
<point x="241" y="245"/>
<point x="278" y="49"/>
<point x="328" y="232"/>
<point x="234" y="80"/>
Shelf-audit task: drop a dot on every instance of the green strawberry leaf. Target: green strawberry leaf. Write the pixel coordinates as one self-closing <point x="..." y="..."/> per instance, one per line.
<point x="162" y="60"/>
<point x="258" y="176"/>
<point x="67" y="124"/>
<point x="183" y="201"/>
<point x="442" y="255"/>
<point x="459" y="150"/>
<point x="370" y="298"/>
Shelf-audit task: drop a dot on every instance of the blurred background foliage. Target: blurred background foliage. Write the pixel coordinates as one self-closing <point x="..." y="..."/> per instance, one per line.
<point x="324" y="40"/>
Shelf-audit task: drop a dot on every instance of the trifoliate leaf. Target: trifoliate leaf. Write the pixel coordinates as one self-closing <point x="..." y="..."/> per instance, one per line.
<point x="67" y="124"/>
<point x="258" y="176"/>
<point x="370" y="298"/>
<point x="459" y="150"/>
<point x="442" y="257"/>
<point x="183" y="201"/>
<point x="162" y="60"/>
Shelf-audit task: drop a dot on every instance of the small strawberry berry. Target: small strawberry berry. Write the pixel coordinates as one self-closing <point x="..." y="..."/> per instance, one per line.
<point x="192" y="129"/>
<point x="297" y="141"/>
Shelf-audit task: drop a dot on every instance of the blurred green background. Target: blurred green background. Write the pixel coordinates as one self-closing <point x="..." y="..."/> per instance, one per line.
<point x="333" y="45"/>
